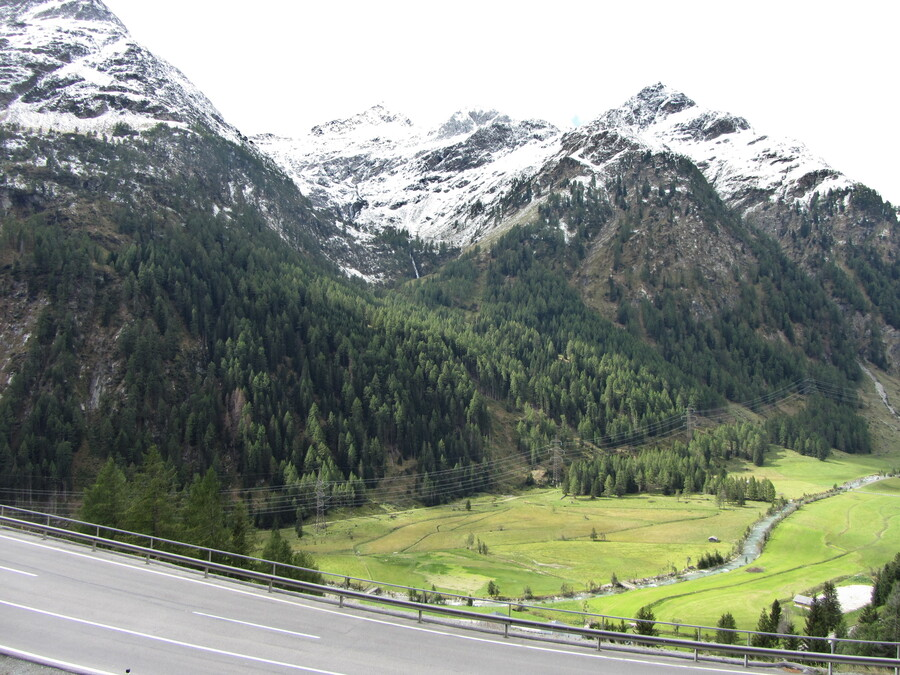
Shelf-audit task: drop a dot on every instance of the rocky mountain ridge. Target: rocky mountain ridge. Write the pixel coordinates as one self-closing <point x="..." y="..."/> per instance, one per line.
<point x="737" y="160"/>
<point x="72" y="65"/>
<point x="378" y="169"/>
<point x="446" y="184"/>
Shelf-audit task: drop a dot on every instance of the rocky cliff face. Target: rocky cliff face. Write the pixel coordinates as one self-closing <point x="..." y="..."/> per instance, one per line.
<point x="380" y="170"/>
<point x="71" y="65"/>
<point x="777" y="185"/>
<point x="452" y="184"/>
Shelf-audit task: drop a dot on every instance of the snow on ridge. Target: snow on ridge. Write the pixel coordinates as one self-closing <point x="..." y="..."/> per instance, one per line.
<point x="735" y="158"/>
<point x="379" y="169"/>
<point x="72" y="66"/>
<point x="376" y="120"/>
<point x="383" y="170"/>
<point x="648" y="106"/>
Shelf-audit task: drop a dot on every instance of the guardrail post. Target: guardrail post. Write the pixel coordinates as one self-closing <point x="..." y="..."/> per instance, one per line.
<point x="599" y="643"/>
<point x="420" y="616"/>
<point x="696" y="654"/>
<point x="506" y="630"/>
<point x="340" y="601"/>
<point x="746" y="660"/>
<point x="897" y="669"/>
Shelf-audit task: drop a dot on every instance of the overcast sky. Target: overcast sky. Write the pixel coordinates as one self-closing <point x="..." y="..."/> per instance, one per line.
<point x="819" y="72"/>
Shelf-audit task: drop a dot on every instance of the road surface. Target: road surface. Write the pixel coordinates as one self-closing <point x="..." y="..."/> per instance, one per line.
<point x="100" y="612"/>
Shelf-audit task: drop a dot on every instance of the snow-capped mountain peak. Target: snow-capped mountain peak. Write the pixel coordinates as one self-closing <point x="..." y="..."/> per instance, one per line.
<point x="649" y="106"/>
<point x="91" y="11"/>
<point x="71" y="64"/>
<point x="375" y="122"/>
<point x="467" y="121"/>
<point x="378" y="169"/>
<point x="743" y="164"/>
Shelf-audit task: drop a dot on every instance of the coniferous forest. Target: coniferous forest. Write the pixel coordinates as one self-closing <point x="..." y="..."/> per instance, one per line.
<point x="158" y="324"/>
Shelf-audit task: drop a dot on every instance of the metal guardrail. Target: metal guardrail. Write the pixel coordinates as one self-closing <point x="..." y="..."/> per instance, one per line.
<point x="536" y="629"/>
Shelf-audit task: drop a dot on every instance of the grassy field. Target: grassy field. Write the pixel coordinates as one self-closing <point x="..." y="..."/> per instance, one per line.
<point x="535" y="540"/>
<point x="539" y="541"/>
<point x="844" y="537"/>
<point x="795" y="475"/>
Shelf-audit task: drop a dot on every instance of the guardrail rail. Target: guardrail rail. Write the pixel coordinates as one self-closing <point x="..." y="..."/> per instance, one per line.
<point x="213" y="561"/>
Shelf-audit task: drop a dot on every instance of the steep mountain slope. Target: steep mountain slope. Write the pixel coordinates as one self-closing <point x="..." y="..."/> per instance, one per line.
<point x="481" y="172"/>
<point x="165" y="283"/>
<point x="108" y="157"/>
<point x="740" y="163"/>
<point x="162" y="283"/>
<point x="778" y="185"/>
<point x="842" y="234"/>
<point x="71" y="67"/>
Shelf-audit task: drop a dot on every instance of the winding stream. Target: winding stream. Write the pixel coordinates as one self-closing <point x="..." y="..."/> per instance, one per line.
<point x="752" y="546"/>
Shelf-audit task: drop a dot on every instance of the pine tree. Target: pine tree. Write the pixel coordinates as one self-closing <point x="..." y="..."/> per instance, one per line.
<point x="240" y="526"/>
<point x="609" y="486"/>
<point x="768" y="623"/>
<point x="726" y="621"/>
<point x="645" y="621"/>
<point x="153" y="507"/>
<point x="105" y="501"/>
<point x="833" y="616"/>
<point x="278" y="550"/>
<point x="204" y="514"/>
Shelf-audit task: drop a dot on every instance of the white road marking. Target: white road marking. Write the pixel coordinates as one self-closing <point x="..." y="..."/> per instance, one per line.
<point x="51" y="663"/>
<point x="270" y="598"/>
<point x="258" y="625"/>
<point x="179" y="643"/>
<point x="14" y="571"/>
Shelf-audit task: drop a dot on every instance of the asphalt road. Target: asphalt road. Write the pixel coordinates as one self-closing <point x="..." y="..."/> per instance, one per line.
<point x="100" y="612"/>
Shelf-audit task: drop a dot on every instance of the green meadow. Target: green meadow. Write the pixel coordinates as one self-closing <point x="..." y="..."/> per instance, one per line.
<point x="534" y="540"/>
<point x="795" y="475"/>
<point x="843" y="537"/>
<point x="540" y="542"/>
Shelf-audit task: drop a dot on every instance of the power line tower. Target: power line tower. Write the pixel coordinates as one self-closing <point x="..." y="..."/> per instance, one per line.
<point x="689" y="423"/>
<point x="321" y="524"/>
<point x="557" y="461"/>
<point x="808" y="386"/>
